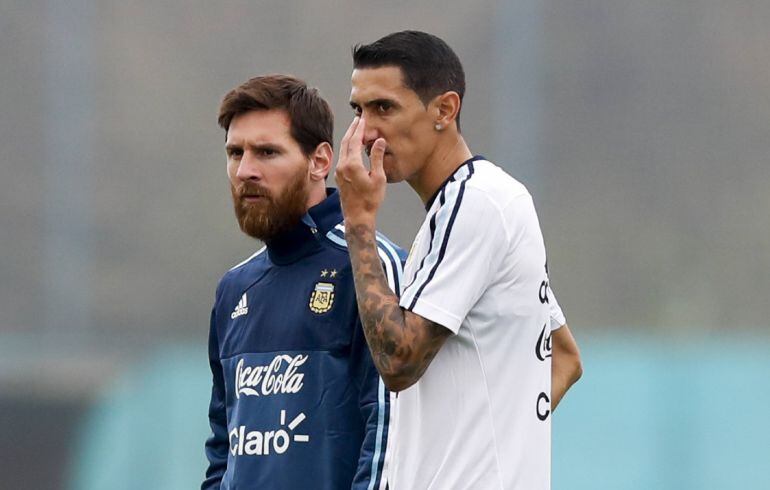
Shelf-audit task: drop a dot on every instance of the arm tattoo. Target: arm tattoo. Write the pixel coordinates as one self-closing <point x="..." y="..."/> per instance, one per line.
<point x="402" y="344"/>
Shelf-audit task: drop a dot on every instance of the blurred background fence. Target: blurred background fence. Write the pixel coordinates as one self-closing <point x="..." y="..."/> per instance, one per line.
<point x="642" y="130"/>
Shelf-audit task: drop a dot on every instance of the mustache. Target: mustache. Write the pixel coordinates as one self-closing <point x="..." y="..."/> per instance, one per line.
<point x="251" y="189"/>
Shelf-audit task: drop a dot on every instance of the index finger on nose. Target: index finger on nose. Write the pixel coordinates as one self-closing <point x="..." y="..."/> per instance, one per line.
<point x="357" y="139"/>
<point x="345" y="143"/>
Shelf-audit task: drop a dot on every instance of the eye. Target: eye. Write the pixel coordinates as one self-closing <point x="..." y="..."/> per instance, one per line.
<point x="235" y="153"/>
<point x="357" y="110"/>
<point x="268" y="152"/>
<point x="384" y="107"/>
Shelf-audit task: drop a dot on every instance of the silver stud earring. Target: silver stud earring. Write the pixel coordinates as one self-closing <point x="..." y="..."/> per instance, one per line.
<point x="438" y="127"/>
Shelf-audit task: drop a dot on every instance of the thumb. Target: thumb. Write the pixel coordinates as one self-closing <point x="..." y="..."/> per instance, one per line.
<point x="377" y="155"/>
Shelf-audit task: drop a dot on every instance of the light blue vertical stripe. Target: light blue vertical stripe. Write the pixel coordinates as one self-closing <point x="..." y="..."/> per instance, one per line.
<point x="392" y="265"/>
<point x="384" y="243"/>
<point x="380" y="429"/>
<point x="339" y="241"/>
<point x="395" y="259"/>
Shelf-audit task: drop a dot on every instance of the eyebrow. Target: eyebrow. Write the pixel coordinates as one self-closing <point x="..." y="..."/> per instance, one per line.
<point x="265" y="146"/>
<point x="374" y="102"/>
<point x="255" y="147"/>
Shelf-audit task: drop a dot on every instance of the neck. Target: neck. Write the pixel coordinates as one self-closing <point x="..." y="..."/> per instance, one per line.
<point x="448" y="155"/>
<point x="316" y="194"/>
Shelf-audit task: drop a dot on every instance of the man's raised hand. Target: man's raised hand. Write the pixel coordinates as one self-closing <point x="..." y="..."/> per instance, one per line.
<point x="361" y="190"/>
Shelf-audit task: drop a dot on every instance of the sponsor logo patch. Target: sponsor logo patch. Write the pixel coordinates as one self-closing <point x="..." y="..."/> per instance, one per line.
<point x="244" y="442"/>
<point x="242" y="308"/>
<point x="543" y="348"/>
<point x="280" y="376"/>
<point x="543" y="408"/>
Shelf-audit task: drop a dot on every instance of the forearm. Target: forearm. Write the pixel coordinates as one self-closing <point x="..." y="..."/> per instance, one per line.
<point x="560" y="383"/>
<point x="566" y="366"/>
<point x="382" y="318"/>
<point x="402" y="343"/>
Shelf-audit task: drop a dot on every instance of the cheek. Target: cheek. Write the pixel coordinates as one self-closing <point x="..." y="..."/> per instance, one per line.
<point x="231" y="169"/>
<point x="407" y="145"/>
<point x="281" y="177"/>
<point x="407" y="132"/>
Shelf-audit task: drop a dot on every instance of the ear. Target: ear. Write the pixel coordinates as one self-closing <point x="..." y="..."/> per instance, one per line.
<point x="321" y="162"/>
<point x="447" y="106"/>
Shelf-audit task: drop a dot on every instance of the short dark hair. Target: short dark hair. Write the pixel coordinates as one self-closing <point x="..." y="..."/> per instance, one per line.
<point x="428" y="64"/>
<point x="312" y="122"/>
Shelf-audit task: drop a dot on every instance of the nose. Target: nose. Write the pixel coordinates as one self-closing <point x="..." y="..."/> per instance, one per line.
<point x="248" y="168"/>
<point x="371" y="133"/>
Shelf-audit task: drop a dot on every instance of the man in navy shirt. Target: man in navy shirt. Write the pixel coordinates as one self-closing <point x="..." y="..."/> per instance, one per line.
<point x="296" y="401"/>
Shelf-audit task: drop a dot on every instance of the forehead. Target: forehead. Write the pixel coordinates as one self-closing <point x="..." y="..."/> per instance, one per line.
<point x="260" y="126"/>
<point x="385" y="82"/>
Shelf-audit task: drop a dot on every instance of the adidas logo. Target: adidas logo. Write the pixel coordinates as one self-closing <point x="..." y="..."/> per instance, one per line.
<point x="241" y="309"/>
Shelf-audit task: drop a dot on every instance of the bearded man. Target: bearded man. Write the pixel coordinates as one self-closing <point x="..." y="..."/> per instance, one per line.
<point x="296" y="401"/>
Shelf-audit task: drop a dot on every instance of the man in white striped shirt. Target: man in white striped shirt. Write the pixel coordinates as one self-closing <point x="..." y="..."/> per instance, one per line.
<point x="470" y="343"/>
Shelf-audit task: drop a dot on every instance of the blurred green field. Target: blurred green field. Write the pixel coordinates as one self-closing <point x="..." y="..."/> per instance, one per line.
<point x="649" y="413"/>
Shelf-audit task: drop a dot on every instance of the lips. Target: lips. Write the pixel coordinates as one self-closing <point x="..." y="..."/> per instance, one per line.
<point x="252" y="192"/>
<point x="252" y="198"/>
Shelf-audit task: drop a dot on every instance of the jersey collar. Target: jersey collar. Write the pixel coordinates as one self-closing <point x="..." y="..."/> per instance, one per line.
<point x="325" y="215"/>
<point x="301" y="240"/>
<point x="450" y="178"/>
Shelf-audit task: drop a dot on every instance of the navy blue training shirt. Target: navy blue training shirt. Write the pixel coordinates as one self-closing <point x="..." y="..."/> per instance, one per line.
<point x="296" y="401"/>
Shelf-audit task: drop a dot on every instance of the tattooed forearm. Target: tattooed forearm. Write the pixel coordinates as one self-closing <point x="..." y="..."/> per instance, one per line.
<point x="402" y="344"/>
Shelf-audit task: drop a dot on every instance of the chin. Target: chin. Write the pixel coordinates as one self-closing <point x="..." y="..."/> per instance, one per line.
<point x="392" y="174"/>
<point x="393" y="179"/>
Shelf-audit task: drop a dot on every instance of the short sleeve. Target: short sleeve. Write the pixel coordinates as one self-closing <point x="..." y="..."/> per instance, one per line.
<point x="554" y="311"/>
<point x="466" y="248"/>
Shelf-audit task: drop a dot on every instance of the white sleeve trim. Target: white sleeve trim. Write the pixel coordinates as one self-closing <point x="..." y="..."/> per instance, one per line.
<point x="554" y="311"/>
<point x="436" y="314"/>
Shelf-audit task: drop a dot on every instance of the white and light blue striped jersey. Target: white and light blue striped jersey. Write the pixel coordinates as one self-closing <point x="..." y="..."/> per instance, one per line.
<point x="479" y="416"/>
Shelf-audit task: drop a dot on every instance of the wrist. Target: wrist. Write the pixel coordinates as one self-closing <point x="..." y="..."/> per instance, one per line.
<point x="360" y="232"/>
<point x="361" y="224"/>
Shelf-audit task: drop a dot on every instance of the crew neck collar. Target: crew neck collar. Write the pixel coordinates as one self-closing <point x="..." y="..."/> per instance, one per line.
<point x="451" y="178"/>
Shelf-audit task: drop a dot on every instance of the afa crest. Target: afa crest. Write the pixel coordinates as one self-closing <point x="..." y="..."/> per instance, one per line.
<point x="322" y="297"/>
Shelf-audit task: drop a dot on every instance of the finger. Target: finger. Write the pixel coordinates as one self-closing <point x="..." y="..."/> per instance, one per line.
<point x="356" y="143"/>
<point x="377" y="155"/>
<point x="341" y="178"/>
<point x="344" y="144"/>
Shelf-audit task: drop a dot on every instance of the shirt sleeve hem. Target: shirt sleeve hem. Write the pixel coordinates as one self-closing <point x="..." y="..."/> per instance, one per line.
<point x="557" y="321"/>
<point x="437" y="315"/>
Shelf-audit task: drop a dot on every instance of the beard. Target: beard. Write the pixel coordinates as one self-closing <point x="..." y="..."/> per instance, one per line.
<point x="271" y="215"/>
